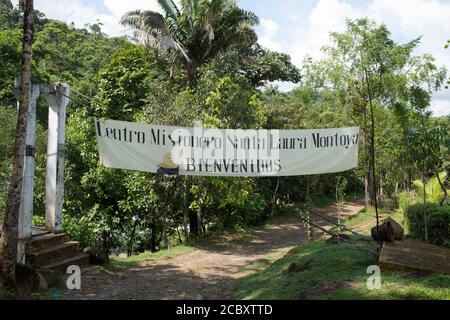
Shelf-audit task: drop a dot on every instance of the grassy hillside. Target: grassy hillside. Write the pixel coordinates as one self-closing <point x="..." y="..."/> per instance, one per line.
<point x="319" y="271"/>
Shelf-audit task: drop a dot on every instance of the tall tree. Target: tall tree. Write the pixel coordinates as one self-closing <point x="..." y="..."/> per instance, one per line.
<point x="9" y="238"/>
<point x="195" y="32"/>
<point x="367" y="70"/>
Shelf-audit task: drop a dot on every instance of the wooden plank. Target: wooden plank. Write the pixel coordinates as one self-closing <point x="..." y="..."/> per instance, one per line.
<point x="410" y="254"/>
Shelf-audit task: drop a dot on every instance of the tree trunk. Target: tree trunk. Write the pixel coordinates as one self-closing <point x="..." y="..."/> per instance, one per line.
<point x="191" y="70"/>
<point x="9" y="238"/>
<point x="424" y="179"/>
<point x="165" y="235"/>
<point x="186" y="209"/>
<point x="193" y="224"/>
<point x="409" y="180"/>
<point x="153" y="237"/>
<point x="367" y="185"/>
<point x="131" y="239"/>
<point x="425" y="218"/>
<point x="381" y="191"/>
<point x="367" y="167"/>
<point x="441" y="203"/>
<point x="373" y="188"/>
<point x="200" y="219"/>
<point x="274" y="197"/>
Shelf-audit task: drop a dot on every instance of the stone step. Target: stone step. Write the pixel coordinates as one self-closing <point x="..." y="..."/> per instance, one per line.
<point x="80" y="260"/>
<point x="52" y="254"/>
<point x="45" y="241"/>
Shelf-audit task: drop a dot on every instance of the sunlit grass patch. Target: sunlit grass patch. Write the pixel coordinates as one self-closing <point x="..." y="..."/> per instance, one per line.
<point x="318" y="271"/>
<point x="134" y="261"/>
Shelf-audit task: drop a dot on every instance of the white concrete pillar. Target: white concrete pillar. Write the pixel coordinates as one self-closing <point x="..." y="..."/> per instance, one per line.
<point x="26" y="199"/>
<point x="58" y="102"/>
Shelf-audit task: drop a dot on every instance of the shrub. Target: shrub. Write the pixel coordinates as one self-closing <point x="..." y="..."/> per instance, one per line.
<point x="438" y="223"/>
<point x="38" y="221"/>
<point x="389" y="204"/>
<point x="405" y="199"/>
<point x="77" y="229"/>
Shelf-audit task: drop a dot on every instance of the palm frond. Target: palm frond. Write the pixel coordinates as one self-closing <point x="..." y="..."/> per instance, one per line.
<point x="143" y="20"/>
<point x="170" y="8"/>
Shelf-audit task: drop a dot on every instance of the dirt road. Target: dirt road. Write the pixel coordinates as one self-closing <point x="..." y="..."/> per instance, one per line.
<point x="207" y="273"/>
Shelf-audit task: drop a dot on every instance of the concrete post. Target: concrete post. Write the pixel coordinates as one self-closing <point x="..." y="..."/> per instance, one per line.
<point x="26" y="199"/>
<point x="58" y="102"/>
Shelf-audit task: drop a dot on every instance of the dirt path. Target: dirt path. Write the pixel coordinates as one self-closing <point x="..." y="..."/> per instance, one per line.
<point x="207" y="273"/>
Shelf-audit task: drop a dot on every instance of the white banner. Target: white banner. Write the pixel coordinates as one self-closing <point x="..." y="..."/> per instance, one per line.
<point x="216" y="152"/>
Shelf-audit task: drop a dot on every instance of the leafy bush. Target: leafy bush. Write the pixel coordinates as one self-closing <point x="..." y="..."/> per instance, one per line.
<point x="76" y="227"/>
<point x="405" y="199"/>
<point x="389" y="203"/>
<point x="438" y="223"/>
<point x="79" y="230"/>
<point x="433" y="189"/>
<point x="38" y="221"/>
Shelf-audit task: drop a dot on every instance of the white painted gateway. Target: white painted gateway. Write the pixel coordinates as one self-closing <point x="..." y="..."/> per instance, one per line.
<point x="57" y="98"/>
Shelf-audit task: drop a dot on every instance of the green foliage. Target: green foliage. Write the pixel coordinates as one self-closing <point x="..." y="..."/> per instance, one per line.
<point x="256" y="64"/>
<point x="10" y="56"/>
<point x="8" y="120"/>
<point x="305" y="213"/>
<point x="122" y="263"/>
<point x="433" y="189"/>
<point x="194" y="32"/>
<point x="54" y="51"/>
<point x="9" y="16"/>
<point x="364" y="70"/>
<point x="406" y="199"/>
<point x="438" y="219"/>
<point x="229" y="106"/>
<point x="123" y="84"/>
<point x="446" y="47"/>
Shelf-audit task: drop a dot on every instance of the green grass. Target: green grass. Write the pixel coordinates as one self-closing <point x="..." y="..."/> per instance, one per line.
<point x="239" y="232"/>
<point x="368" y="214"/>
<point x="345" y="264"/>
<point x="261" y="264"/>
<point x="134" y="261"/>
<point x="322" y="201"/>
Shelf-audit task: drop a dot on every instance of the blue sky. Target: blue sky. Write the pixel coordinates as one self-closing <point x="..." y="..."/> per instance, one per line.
<point x="298" y="28"/>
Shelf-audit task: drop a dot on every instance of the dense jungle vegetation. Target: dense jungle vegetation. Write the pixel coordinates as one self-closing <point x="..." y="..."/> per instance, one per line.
<point x="206" y="65"/>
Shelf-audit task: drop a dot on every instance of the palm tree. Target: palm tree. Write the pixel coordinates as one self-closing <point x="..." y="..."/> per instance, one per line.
<point x="195" y="32"/>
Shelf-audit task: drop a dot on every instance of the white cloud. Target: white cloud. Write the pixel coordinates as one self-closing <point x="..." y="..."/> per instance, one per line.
<point x="69" y="11"/>
<point x="269" y="31"/>
<point x="426" y="18"/>
<point x="118" y="8"/>
<point x="294" y="17"/>
<point x="81" y="13"/>
<point x="270" y="27"/>
<point x="440" y="107"/>
<point x="327" y="16"/>
<point x="406" y="19"/>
